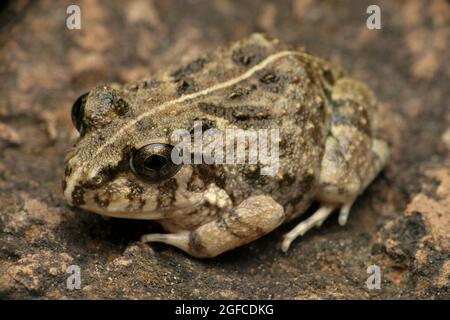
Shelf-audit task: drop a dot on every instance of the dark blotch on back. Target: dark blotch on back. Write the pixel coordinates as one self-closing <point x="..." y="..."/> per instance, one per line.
<point x="238" y="92"/>
<point x="188" y="69"/>
<point x="269" y="77"/>
<point x="237" y="113"/>
<point x="121" y="107"/>
<point x="185" y="86"/>
<point x="247" y="56"/>
<point x="183" y="75"/>
<point x="273" y="80"/>
<point x="206" y="125"/>
<point x="143" y="84"/>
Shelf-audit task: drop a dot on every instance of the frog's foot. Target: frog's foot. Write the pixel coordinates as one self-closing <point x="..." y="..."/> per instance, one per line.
<point x="179" y="240"/>
<point x="253" y="218"/>
<point x="315" y="220"/>
<point x="344" y="212"/>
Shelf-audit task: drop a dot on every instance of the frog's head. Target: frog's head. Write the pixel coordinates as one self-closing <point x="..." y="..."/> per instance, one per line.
<point x="122" y="164"/>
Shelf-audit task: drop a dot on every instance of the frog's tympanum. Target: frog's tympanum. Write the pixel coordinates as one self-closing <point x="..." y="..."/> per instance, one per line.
<point x="123" y="163"/>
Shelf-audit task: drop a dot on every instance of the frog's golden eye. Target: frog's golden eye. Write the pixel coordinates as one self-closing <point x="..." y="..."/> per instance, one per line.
<point x="78" y="112"/>
<point x="153" y="162"/>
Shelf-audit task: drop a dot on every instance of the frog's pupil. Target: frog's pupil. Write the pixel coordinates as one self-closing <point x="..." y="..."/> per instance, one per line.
<point x="155" y="162"/>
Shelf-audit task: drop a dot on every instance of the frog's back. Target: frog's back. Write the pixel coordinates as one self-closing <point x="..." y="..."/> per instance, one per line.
<point x="259" y="84"/>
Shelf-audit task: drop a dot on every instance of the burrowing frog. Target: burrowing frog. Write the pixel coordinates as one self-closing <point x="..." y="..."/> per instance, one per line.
<point x="123" y="165"/>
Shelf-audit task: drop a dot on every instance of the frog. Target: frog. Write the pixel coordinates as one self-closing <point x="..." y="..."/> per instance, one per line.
<point x="123" y="166"/>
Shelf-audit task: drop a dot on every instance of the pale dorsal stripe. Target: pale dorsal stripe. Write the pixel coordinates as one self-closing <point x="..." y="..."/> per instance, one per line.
<point x="250" y="72"/>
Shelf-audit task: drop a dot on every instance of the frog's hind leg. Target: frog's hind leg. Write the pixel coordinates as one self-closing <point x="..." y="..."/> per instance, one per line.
<point x="253" y="218"/>
<point x="380" y="154"/>
<point x="352" y="158"/>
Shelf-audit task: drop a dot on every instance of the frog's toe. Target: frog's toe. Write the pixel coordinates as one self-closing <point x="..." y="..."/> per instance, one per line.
<point x="344" y="212"/>
<point x="179" y="240"/>
<point x="315" y="220"/>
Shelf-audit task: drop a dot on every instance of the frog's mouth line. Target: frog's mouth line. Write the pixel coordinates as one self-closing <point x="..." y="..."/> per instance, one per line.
<point x="144" y="215"/>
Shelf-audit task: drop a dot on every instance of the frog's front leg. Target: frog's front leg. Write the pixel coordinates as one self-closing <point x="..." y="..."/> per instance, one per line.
<point x="251" y="219"/>
<point x="352" y="158"/>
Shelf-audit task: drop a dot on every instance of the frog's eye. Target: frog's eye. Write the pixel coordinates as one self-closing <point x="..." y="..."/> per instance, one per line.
<point x="153" y="162"/>
<point x="78" y="111"/>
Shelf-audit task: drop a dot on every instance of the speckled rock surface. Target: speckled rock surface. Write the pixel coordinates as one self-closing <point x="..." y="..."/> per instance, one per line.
<point x="401" y="223"/>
